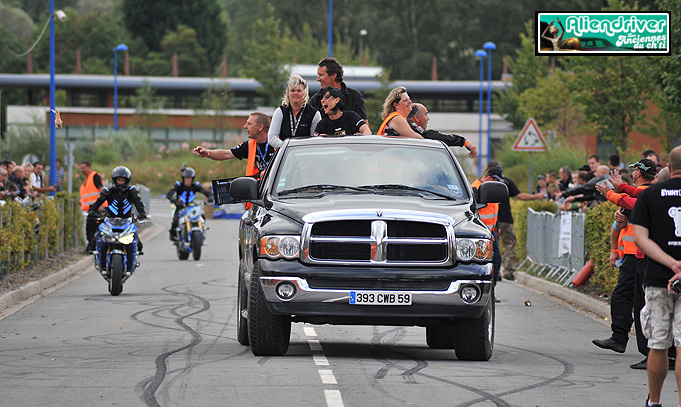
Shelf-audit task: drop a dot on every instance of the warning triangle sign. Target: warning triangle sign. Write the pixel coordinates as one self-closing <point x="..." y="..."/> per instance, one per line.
<point x="530" y="138"/>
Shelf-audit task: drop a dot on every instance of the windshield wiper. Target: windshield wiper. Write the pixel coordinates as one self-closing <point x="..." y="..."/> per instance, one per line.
<point x="406" y="188"/>
<point x="319" y="187"/>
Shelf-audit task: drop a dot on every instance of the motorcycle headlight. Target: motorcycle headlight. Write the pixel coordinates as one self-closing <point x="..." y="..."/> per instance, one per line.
<point x="127" y="239"/>
<point x="280" y="246"/>
<point x="473" y="249"/>
<point x="108" y="238"/>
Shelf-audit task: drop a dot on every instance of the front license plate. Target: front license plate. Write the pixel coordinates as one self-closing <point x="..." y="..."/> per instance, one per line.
<point x="380" y="298"/>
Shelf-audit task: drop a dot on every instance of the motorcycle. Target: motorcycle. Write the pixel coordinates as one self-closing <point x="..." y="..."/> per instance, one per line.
<point x="116" y="255"/>
<point x="191" y="231"/>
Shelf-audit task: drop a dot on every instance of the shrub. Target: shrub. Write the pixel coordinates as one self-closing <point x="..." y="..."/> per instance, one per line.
<point x="597" y="227"/>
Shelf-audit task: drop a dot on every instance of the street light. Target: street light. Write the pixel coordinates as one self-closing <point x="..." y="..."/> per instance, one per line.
<point x="120" y="47"/>
<point x="61" y="16"/>
<point x="480" y="54"/>
<point x="362" y="33"/>
<point x="330" y="27"/>
<point x="489" y="46"/>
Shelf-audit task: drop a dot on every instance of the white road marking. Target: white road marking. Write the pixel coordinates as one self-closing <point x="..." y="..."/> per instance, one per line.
<point x="314" y="345"/>
<point x="320" y="360"/>
<point x="333" y="398"/>
<point x="327" y="377"/>
<point x="309" y="331"/>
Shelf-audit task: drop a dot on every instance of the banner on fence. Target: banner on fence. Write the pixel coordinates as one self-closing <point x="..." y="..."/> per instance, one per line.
<point x="565" y="233"/>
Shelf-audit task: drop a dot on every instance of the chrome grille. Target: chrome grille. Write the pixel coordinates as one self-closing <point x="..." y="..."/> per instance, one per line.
<point x="379" y="240"/>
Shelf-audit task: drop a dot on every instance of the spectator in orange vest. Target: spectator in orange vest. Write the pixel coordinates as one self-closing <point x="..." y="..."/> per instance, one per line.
<point x="89" y="192"/>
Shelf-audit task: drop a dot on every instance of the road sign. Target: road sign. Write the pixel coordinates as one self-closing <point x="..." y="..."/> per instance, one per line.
<point x="530" y="138"/>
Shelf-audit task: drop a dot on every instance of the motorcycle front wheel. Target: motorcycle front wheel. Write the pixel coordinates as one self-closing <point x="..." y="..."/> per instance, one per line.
<point x="116" y="281"/>
<point x="197" y="242"/>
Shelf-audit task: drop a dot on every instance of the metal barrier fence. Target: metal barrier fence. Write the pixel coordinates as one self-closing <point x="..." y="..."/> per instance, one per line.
<point x="555" y="245"/>
<point x="67" y="237"/>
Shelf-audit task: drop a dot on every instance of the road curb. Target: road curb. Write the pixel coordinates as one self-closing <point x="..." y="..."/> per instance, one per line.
<point x="36" y="289"/>
<point x="575" y="297"/>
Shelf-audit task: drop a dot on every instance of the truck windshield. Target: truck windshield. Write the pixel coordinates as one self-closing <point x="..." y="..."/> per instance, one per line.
<point x="365" y="168"/>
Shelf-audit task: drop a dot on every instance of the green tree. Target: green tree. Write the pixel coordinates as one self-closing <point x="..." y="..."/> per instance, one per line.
<point x="216" y="103"/>
<point x="151" y="20"/>
<point x="147" y="108"/>
<point x="191" y="57"/>
<point x="17" y="22"/>
<point x="265" y="59"/>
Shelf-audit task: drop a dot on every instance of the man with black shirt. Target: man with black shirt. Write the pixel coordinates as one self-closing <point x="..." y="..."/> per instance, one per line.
<point x="418" y="120"/>
<point x="330" y="73"/>
<point x="507" y="234"/>
<point x="657" y="232"/>
<point x="257" y="150"/>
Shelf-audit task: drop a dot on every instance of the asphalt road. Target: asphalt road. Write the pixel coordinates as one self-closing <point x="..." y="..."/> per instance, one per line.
<point x="170" y="339"/>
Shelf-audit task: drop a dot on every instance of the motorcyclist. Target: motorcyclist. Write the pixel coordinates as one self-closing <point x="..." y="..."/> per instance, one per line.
<point x="182" y="194"/>
<point x="121" y="197"/>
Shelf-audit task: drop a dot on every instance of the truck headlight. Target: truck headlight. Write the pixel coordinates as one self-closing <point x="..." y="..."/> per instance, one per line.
<point x="275" y="247"/>
<point x="473" y="249"/>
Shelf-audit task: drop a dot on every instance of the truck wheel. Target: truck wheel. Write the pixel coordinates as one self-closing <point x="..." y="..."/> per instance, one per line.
<point x="242" y="307"/>
<point x="474" y="338"/>
<point x="441" y="336"/>
<point x="268" y="334"/>
<point x="116" y="281"/>
<point x="197" y="241"/>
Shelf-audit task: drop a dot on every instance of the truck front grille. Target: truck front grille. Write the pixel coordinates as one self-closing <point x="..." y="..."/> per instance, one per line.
<point x="374" y="241"/>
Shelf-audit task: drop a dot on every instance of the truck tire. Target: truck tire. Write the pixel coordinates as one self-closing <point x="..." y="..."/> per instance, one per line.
<point x="441" y="336"/>
<point x="268" y="334"/>
<point x="474" y="338"/>
<point x="242" y="307"/>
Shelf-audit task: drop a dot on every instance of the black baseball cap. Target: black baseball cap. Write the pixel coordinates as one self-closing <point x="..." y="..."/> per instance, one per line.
<point x="497" y="173"/>
<point x="644" y="165"/>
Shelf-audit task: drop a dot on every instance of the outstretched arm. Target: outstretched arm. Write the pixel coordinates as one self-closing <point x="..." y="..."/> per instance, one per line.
<point x="216" y="154"/>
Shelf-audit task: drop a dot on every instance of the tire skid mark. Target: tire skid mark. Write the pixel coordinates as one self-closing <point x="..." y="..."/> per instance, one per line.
<point x="151" y="385"/>
<point x="407" y="374"/>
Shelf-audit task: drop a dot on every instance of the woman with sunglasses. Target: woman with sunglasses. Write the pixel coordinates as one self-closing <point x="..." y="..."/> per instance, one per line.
<point x="295" y="117"/>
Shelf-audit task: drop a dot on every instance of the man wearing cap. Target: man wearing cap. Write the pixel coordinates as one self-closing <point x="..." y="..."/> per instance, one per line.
<point x="622" y="300"/>
<point x="506" y="232"/>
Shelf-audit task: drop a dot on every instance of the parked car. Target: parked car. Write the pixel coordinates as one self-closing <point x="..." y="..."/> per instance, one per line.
<point x="366" y="230"/>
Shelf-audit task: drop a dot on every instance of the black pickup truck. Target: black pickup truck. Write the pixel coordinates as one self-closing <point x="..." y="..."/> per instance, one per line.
<point x="365" y="230"/>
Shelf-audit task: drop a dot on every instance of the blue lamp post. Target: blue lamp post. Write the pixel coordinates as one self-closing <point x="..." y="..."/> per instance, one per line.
<point x="489" y="46"/>
<point x="480" y="54"/>
<point x="120" y="47"/>
<point x="61" y="16"/>
<point x="330" y="27"/>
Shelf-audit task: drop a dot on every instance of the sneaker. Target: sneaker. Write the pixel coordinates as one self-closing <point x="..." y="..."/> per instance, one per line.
<point x="642" y="365"/>
<point x="610" y="344"/>
<point x="649" y="404"/>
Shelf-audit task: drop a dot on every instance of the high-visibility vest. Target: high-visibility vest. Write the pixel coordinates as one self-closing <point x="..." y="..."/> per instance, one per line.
<point x="381" y="130"/>
<point x="625" y="241"/>
<point x="251" y="168"/>
<point x="489" y="214"/>
<point x="89" y="192"/>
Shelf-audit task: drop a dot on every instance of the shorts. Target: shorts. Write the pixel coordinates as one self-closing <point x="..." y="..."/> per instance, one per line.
<point x="661" y="318"/>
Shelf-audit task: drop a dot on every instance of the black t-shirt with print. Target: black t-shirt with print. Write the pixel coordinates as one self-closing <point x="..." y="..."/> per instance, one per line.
<point x="263" y="156"/>
<point x="348" y="123"/>
<point x="658" y="209"/>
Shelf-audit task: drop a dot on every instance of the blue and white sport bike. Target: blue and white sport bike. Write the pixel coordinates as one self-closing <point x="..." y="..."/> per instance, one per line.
<point x="191" y="231"/>
<point x="116" y="256"/>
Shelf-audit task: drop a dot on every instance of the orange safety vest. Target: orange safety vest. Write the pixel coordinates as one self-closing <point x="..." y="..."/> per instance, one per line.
<point x="251" y="168"/>
<point x="490" y="213"/>
<point x="381" y="130"/>
<point x="625" y="241"/>
<point x="89" y="192"/>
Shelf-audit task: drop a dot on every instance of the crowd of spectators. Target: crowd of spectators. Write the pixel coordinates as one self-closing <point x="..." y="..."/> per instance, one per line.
<point x="576" y="190"/>
<point x="25" y="183"/>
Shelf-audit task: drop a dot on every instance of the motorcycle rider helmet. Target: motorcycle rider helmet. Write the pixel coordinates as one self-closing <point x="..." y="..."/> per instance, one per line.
<point x="121" y="172"/>
<point x="188" y="172"/>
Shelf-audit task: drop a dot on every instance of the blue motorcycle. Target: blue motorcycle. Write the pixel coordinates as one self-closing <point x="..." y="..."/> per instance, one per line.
<point x="191" y="230"/>
<point x="116" y="254"/>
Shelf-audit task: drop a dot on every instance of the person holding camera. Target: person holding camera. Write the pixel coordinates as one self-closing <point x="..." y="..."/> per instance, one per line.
<point x="657" y="232"/>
